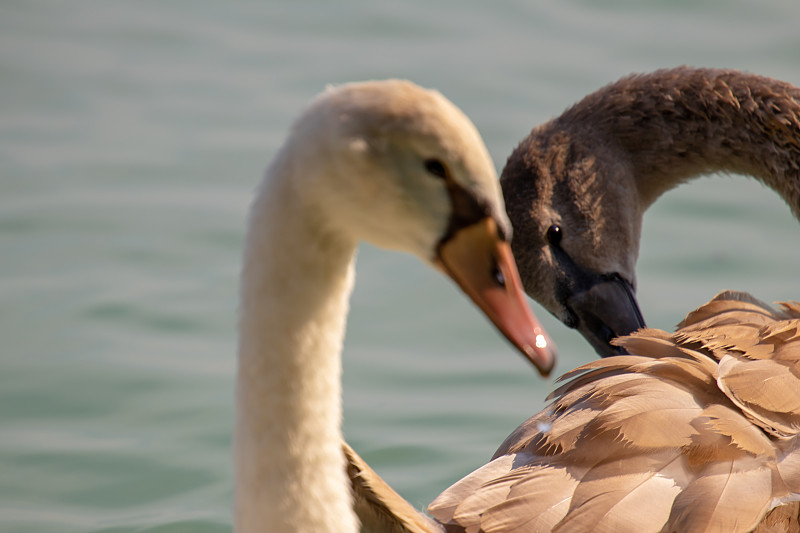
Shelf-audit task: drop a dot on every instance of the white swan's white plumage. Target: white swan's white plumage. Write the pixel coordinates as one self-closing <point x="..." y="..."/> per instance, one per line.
<point x="387" y="162"/>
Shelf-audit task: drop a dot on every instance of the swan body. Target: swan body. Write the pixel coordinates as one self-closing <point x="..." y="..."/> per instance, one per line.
<point x="387" y="162"/>
<point x="693" y="431"/>
<point x="594" y="170"/>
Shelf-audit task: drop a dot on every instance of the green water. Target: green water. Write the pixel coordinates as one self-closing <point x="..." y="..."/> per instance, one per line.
<point x="131" y="137"/>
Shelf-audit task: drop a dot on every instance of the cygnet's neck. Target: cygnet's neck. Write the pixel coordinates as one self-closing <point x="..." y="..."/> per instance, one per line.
<point x="296" y="282"/>
<point x="674" y="125"/>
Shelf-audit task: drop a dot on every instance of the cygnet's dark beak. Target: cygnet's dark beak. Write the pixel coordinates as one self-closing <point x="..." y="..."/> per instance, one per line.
<point x="605" y="309"/>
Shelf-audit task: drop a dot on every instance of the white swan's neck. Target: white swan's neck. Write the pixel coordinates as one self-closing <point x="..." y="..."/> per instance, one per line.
<point x="297" y="279"/>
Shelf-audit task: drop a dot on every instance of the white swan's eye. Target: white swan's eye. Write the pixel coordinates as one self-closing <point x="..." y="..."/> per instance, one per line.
<point x="436" y="167"/>
<point x="554" y="234"/>
<point x="499" y="277"/>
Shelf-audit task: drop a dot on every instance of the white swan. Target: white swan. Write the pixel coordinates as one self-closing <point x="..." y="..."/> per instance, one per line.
<point x="387" y="162"/>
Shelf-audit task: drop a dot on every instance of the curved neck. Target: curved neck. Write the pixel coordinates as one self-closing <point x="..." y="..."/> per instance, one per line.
<point x="296" y="282"/>
<point x="674" y="125"/>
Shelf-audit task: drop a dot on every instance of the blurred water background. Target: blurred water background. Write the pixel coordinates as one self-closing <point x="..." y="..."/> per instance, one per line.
<point x="131" y="136"/>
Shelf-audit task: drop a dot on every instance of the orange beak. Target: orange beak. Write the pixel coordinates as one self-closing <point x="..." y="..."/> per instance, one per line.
<point x="483" y="266"/>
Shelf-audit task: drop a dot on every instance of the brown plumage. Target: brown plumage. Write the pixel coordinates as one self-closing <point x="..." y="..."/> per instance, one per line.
<point x="379" y="508"/>
<point x="696" y="431"/>
<point x="595" y="169"/>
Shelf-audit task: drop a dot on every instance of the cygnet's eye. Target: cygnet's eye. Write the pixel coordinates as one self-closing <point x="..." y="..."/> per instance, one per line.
<point x="436" y="168"/>
<point x="554" y="234"/>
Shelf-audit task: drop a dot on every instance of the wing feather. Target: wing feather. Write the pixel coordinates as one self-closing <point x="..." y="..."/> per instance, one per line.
<point x="694" y="431"/>
<point x="629" y="494"/>
<point x="727" y="497"/>
<point x="766" y="389"/>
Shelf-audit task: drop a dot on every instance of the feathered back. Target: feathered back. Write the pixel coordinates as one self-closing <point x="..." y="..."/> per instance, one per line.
<point x="697" y="431"/>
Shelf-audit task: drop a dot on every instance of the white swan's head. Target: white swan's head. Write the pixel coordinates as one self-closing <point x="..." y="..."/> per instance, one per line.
<point x="403" y="168"/>
<point x="386" y="151"/>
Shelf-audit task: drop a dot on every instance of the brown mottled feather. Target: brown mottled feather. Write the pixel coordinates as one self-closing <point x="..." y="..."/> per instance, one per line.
<point x="783" y="519"/>
<point x="666" y="440"/>
<point x="379" y="508"/>
<point x="649" y="443"/>
<point x="728" y="496"/>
